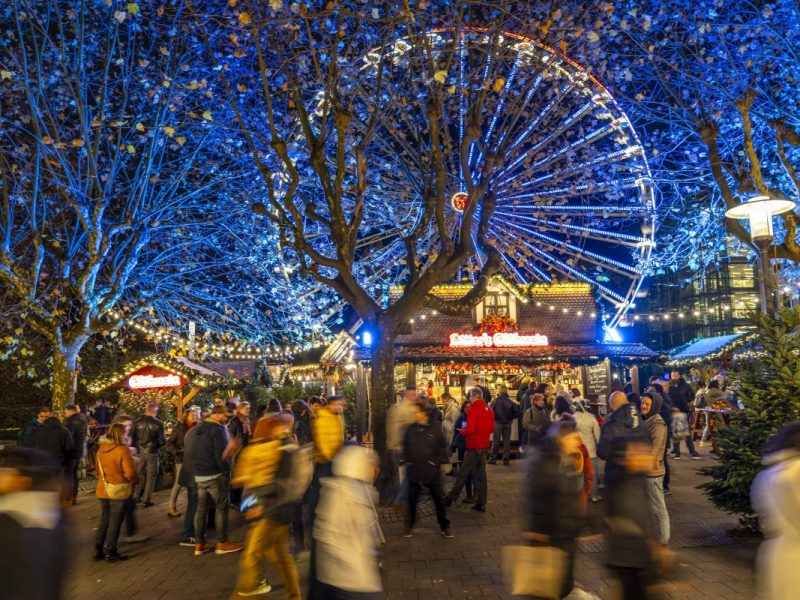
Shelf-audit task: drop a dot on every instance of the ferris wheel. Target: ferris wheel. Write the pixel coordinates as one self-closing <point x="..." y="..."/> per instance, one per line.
<point x="574" y="194"/>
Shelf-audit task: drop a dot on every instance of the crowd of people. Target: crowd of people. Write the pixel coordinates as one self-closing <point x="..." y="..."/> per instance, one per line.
<point x="304" y="491"/>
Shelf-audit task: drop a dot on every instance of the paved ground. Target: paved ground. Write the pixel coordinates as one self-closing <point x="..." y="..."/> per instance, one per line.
<point x="711" y="565"/>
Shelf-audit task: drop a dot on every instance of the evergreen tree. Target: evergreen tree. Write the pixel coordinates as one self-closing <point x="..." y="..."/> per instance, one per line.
<point x="770" y="391"/>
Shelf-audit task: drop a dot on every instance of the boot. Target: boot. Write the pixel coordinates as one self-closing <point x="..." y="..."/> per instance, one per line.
<point x="113" y="556"/>
<point x="98" y="552"/>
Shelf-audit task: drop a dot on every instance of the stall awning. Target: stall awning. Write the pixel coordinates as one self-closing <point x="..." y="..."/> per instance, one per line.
<point x="189" y="371"/>
<point x="572" y="353"/>
<point x="708" y="348"/>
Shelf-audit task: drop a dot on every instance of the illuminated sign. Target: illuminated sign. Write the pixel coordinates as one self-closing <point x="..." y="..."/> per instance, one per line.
<point x="459" y="201"/>
<point x="498" y="340"/>
<point x="148" y="382"/>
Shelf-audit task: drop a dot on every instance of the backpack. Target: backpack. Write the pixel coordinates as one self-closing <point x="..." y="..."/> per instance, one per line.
<point x="295" y="472"/>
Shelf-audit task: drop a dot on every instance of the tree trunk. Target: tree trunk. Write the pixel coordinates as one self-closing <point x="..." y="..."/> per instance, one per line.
<point x="382" y="384"/>
<point x="65" y="373"/>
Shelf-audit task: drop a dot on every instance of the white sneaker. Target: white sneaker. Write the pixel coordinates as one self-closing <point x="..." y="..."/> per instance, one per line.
<point x="579" y="594"/>
<point x="262" y="588"/>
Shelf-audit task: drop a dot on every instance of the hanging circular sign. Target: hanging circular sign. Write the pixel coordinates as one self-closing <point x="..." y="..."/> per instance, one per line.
<point x="459" y="201"/>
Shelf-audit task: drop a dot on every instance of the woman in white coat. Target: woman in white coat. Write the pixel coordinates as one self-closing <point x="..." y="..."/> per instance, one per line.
<point x="776" y="497"/>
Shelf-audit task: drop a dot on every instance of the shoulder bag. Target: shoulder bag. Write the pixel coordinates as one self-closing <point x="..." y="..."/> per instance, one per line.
<point x="115" y="491"/>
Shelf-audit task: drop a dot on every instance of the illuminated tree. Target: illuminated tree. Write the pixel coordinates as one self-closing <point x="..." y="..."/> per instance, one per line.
<point x="115" y="197"/>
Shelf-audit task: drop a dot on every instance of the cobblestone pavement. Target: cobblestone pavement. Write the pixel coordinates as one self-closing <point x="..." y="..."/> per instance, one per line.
<point x="710" y="566"/>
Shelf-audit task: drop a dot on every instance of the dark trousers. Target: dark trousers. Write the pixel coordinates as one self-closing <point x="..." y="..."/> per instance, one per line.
<point x="676" y="446"/>
<point x="471" y="479"/>
<point x="437" y="495"/>
<point x="666" y="461"/>
<point x="191" y="511"/>
<point x="148" y="471"/>
<point x="298" y="528"/>
<point x="70" y="489"/>
<point x="474" y="464"/>
<point x="634" y="582"/>
<point x="502" y="430"/>
<point x="315" y="589"/>
<point x="215" y="490"/>
<point x="111" y="515"/>
<point x="131" y="526"/>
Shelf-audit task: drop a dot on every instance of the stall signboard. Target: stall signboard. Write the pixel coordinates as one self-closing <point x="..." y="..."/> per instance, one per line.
<point x="498" y="340"/>
<point x="598" y="379"/>
<point x="150" y="378"/>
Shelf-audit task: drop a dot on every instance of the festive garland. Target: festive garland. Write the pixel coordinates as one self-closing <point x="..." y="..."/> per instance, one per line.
<point x="498" y="324"/>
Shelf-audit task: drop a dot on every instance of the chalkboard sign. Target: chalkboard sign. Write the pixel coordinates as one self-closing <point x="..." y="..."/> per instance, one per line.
<point x="598" y="379"/>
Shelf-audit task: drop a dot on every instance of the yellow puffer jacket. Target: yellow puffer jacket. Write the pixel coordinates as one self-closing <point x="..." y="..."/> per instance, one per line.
<point x="327" y="431"/>
<point x="257" y="464"/>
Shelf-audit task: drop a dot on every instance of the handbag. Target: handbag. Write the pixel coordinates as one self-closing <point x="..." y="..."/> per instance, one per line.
<point x="534" y="570"/>
<point x="680" y="426"/>
<point x="115" y="491"/>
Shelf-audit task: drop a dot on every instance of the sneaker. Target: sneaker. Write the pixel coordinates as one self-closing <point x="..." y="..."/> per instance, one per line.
<point x="148" y="503"/>
<point x="667" y="491"/>
<point x="408" y="533"/>
<point x="262" y="588"/>
<point x="227" y="547"/>
<point x="189" y="542"/>
<point x="113" y="557"/>
<point x="200" y="549"/>
<point x="447" y="533"/>
<point x="597" y="499"/>
<point x="136" y="539"/>
<point x="479" y="508"/>
<point x="676" y="458"/>
<point x="696" y="457"/>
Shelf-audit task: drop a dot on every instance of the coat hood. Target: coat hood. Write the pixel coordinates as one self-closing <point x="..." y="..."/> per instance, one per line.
<point x="355" y="462"/>
<point x="655" y="409"/>
<point x="627" y="415"/>
<point x="207" y="427"/>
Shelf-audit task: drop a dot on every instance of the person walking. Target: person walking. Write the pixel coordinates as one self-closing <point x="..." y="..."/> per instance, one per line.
<point x="624" y="421"/>
<point x="681" y="396"/>
<point x="77" y="425"/>
<point x="477" y="431"/>
<point x="117" y="474"/>
<point x="450" y="413"/>
<point x="212" y="471"/>
<point x="347" y="534"/>
<point x="398" y="420"/>
<point x="589" y="431"/>
<point x="424" y="452"/>
<point x="655" y="477"/>
<point x="327" y="432"/>
<point x="301" y="431"/>
<point x="55" y="440"/>
<point x="258" y="471"/>
<point x="505" y="411"/>
<point x="302" y="422"/>
<point x="25" y="437"/>
<point x="186" y="480"/>
<point x="551" y="493"/>
<point x="776" y="498"/>
<point x="631" y="542"/>
<point x="536" y="420"/>
<point x="175" y="444"/>
<point x="149" y="438"/>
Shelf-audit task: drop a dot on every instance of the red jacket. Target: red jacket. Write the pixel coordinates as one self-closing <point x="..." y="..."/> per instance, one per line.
<point x="479" y="427"/>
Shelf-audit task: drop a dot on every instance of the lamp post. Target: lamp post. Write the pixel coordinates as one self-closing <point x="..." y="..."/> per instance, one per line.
<point x="759" y="211"/>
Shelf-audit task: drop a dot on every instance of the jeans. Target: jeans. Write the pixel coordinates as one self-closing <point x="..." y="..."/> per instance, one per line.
<point x="658" y="508"/>
<point x="320" y="470"/>
<point x="148" y="466"/>
<point x="471" y="478"/>
<point x="676" y="446"/>
<point x="707" y="428"/>
<point x="191" y="511"/>
<point x="131" y="526"/>
<point x="176" y="487"/>
<point x="270" y="540"/>
<point x="437" y="495"/>
<point x="401" y="497"/>
<point x="596" y="479"/>
<point x="111" y="515"/>
<point x="216" y="490"/>
<point x="502" y="430"/>
<point x="474" y="464"/>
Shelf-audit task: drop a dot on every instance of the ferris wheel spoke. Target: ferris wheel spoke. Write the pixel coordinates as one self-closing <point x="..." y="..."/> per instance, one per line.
<point x="598" y="260"/>
<point x="602" y="235"/>
<point x="589" y="210"/>
<point x="541" y="275"/>
<point x="586" y="189"/>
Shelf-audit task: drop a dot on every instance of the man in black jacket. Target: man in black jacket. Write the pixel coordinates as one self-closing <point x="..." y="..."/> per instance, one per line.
<point x="424" y="452"/>
<point x="26" y="433"/>
<point x="623" y="422"/>
<point x="148" y="438"/>
<point x="77" y="426"/>
<point x="505" y="411"/>
<point x="212" y="474"/>
<point x="53" y="439"/>
<point x="681" y="396"/>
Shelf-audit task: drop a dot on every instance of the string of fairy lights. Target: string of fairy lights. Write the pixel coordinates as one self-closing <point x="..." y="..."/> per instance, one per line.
<point x="231" y="351"/>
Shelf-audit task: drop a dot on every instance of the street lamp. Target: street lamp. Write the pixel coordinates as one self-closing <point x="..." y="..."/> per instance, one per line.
<point x="759" y="210"/>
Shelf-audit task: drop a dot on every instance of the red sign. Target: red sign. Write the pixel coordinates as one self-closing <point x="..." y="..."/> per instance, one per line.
<point x="152" y="378"/>
<point x="498" y="340"/>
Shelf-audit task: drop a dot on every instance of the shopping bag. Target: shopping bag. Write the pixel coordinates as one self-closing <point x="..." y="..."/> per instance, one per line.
<point x="534" y="570"/>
